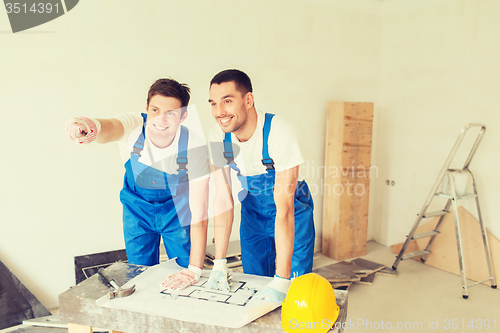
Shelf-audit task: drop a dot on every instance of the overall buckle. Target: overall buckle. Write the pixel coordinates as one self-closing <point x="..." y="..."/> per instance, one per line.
<point x="268" y="163"/>
<point x="137" y="151"/>
<point x="229" y="156"/>
<point x="182" y="162"/>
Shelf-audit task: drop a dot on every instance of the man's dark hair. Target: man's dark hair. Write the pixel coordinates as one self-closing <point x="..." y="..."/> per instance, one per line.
<point x="170" y="88"/>
<point x="240" y="79"/>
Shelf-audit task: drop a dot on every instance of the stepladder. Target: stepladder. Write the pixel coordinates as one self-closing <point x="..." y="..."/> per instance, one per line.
<point x="451" y="184"/>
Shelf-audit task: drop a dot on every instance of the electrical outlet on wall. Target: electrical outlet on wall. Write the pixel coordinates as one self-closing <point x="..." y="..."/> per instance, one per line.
<point x="390" y="182"/>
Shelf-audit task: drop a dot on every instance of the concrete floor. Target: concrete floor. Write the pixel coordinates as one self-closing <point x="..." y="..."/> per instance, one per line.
<point x="420" y="299"/>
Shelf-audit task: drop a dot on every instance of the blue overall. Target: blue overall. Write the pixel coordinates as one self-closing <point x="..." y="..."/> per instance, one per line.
<point x="258" y="215"/>
<point x="156" y="204"/>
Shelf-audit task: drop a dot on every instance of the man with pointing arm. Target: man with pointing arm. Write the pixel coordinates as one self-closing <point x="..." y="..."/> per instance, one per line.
<point x="165" y="190"/>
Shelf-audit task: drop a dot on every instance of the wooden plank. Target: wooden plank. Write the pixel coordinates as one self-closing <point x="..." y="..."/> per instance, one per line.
<point x="356" y="269"/>
<point x="339" y="272"/>
<point x="388" y="271"/>
<point x="368" y="280"/>
<point x="33" y="329"/>
<point x="352" y="224"/>
<point x="331" y="201"/>
<point x="357" y="132"/>
<point x="347" y="179"/>
<point x="356" y="156"/>
<point x="74" y="328"/>
<point x="444" y="253"/>
<point x="369" y="266"/>
<point x="412" y="247"/>
<point x="365" y="111"/>
<point x="341" y="286"/>
<point x="358" y="110"/>
<point x="361" y="191"/>
<point x="47" y="321"/>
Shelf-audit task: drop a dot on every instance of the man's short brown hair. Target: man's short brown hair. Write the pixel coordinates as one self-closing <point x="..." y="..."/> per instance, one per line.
<point x="240" y="79"/>
<point x="170" y="88"/>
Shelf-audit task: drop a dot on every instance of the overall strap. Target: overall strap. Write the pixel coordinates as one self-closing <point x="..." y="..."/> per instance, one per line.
<point x="139" y="144"/>
<point x="266" y="159"/>
<point x="182" y="149"/>
<point x="228" y="149"/>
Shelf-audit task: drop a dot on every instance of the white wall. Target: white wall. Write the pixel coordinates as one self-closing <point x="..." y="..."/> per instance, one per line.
<point x="60" y="200"/>
<point x="430" y="67"/>
<point x="439" y="70"/>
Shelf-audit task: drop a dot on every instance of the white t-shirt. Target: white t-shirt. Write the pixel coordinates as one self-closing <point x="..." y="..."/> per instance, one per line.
<point x="283" y="148"/>
<point x="163" y="159"/>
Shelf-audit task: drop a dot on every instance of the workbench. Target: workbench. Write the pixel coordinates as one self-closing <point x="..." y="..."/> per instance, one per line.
<point x="78" y="308"/>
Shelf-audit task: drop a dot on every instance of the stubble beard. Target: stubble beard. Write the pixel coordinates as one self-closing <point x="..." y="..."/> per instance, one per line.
<point x="236" y="126"/>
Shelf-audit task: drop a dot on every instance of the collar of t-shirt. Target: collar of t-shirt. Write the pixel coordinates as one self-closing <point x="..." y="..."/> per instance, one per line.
<point x="152" y="154"/>
<point x="248" y="160"/>
<point x="258" y="129"/>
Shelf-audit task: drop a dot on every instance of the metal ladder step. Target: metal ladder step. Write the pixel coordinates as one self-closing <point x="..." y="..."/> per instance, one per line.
<point x="414" y="254"/>
<point x="436" y="213"/>
<point x="425" y="234"/>
<point x="459" y="197"/>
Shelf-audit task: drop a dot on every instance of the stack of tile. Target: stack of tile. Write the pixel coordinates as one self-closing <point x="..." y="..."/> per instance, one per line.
<point x="344" y="273"/>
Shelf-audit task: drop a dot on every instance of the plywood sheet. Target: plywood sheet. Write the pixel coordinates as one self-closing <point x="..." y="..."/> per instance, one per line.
<point x="444" y="249"/>
<point x="347" y="179"/>
<point x="356" y="156"/>
<point x="357" y="110"/>
<point x="358" y="132"/>
<point x="412" y="247"/>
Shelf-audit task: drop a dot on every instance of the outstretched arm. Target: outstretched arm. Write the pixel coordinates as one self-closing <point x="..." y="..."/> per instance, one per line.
<point x="84" y="130"/>
<point x="111" y="131"/>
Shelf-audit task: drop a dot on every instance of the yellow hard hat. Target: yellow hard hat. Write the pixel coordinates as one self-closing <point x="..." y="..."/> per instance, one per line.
<point x="309" y="306"/>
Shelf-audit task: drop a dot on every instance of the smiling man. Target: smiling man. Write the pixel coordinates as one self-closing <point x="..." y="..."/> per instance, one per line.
<point x="165" y="191"/>
<point x="277" y="227"/>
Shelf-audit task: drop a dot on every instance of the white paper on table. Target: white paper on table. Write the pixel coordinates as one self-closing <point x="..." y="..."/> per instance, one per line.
<point x="196" y="303"/>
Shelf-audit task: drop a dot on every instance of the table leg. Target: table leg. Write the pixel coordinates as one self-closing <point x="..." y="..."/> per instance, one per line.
<point x="74" y="328"/>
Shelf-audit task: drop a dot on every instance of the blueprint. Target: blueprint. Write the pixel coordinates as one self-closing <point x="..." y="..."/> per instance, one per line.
<point x="196" y="303"/>
<point x="239" y="294"/>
